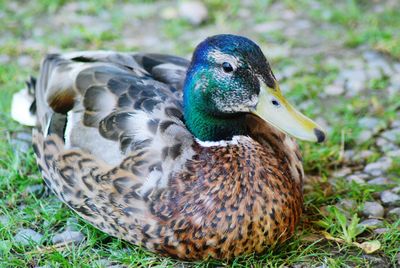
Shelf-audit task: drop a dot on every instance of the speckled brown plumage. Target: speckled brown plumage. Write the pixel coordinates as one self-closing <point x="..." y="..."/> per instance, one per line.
<point x="155" y="185"/>
<point x="230" y="201"/>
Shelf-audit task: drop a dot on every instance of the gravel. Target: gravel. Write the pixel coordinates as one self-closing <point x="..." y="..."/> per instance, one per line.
<point x="373" y="209"/>
<point x="394" y="212"/>
<point x="355" y="81"/>
<point x="385" y="145"/>
<point x="4" y="220"/>
<point x="372" y="223"/>
<point x="371" y="123"/>
<point x="392" y="135"/>
<point x="365" y="135"/>
<point x="396" y="190"/>
<point x="334" y="90"/>
<point x="379" y="167"/>
<point x="394" y="153"/>
<point x="70" y="237"/>
<point x="380" y="230"/>
<point x="364" y="155"/>
<point x="34" y="189"/>
<point x="347" y="204"/>
<point x="380" y="181"/>
<point x="193" y="11"/>
<point x="72" y="224"/>
<point x="389" y="198"/>
<point x="340" y="173"/>
<point x="27" y="236"/>
<point x="357" y="178"/>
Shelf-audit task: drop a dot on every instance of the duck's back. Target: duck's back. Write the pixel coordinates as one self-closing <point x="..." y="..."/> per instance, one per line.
<point x="112" y="145"/>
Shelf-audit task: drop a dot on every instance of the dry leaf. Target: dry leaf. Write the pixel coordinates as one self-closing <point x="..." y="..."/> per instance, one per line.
<point x="369" y="246"/>
<point x="329" y="237"/>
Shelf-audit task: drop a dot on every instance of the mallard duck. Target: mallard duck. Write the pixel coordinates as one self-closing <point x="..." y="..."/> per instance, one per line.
<point x="186" y="159"/>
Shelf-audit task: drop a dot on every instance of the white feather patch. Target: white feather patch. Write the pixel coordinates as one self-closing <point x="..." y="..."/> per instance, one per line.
<point x="68" y="129"/>
<point x="21" y="102"/>
<point x="223" y="143"/>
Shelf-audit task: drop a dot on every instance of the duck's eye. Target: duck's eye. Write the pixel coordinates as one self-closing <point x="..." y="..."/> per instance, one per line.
<point x="227" y="67"/>
<point x="275" y="103"/>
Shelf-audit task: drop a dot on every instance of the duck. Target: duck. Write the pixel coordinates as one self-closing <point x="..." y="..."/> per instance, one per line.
<point x="187" y="159"/>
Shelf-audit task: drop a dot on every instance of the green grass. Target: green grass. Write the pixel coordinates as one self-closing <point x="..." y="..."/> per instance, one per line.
<point x="378" y="28"/>
<point x="354" y="21"/>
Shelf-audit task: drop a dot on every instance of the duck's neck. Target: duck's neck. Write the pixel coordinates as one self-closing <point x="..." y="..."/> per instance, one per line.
<point x="203" y="121"/>
<point x="207" y="127"/>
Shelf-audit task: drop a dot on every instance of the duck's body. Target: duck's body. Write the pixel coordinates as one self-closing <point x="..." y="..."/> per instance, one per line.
<point x="114" y="145"/>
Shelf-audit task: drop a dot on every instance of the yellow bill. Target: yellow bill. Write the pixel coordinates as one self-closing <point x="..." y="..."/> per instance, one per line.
<point x="276" y="110"/>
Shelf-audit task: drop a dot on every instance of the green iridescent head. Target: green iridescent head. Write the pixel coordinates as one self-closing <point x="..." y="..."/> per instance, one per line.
<point x="229" y="77"/>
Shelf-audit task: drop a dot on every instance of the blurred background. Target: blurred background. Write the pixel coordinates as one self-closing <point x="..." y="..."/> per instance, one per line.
<point x="338" y="61"/>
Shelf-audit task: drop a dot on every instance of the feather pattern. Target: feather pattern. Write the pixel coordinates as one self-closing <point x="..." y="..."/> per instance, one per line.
<point x="112" y="144"/>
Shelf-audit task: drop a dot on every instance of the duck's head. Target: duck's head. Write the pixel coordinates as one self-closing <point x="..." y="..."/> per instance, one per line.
<point x="230" y="77"/>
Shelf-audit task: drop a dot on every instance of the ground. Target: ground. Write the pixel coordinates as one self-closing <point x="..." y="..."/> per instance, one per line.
<point x="338" y="61"/>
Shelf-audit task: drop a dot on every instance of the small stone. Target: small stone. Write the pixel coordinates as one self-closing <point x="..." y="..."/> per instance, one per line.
<point x="365" y="135"/>
<point x="34" y="189"/>
<point x="334" y="90"/>
<point x="342" y="172"/>
<point x="72" y="237"/>
<point x="392" y="135"/>
<point x="373" y="209"/>
<point x="385" y="145"/>
<point x="389" y="198"/>
<point x="379" y="167"/>
<point x="394" y="212"/>
<point x="27" y="236"/>
<point x="20" y="145"/>
<point x="169" y="13"/>
<point x="289" y="71"/>
<point x="103" y="263"/>
<point x="4" y="59"/>
<point x="347" y="204"/>
<point x="363" y="155"/>
<point x="380" y="181"/>
<point x="5" y="247"/>
<point x="371" y="123"/>
<point x="354" y="87"/>
<point x="357" y="178"/>
<point x="355" y="81"/>
<point x="373" y="73"/>
<point x="72" y="224"/>
<point x="269" y="26"/>
<point x="396" y="124"/>
<point x="297" y="265"/>
<point x="4" y="220"/>
<point x="193" y="11"/>
<point x="25" y="136"/>
<point x="394" y="153"/>
<point x="396" y="190"/>
<point x="25" y="61"/>
<point x="278" y="51"/>
<point x="374" y="261"/>
<point x="380" y="230"/>
<point x="372" y="223"/>
<point x="371" y="55"/>
<point x="348" y="155"/>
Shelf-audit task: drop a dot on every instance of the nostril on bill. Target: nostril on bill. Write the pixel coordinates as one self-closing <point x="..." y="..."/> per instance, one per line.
<point x="320" y="135"/>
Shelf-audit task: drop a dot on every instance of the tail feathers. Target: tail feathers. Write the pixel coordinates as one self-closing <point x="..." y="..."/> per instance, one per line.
<point x="23" y="105"/>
